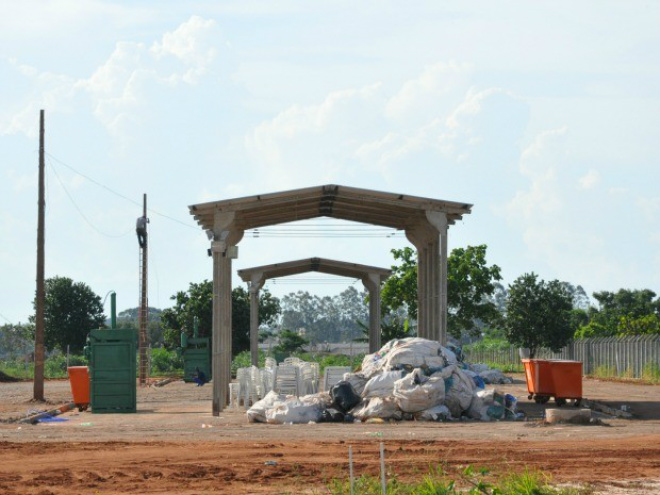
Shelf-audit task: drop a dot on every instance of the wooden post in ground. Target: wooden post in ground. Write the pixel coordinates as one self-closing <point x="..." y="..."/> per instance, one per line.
<point x="41" y="284"/>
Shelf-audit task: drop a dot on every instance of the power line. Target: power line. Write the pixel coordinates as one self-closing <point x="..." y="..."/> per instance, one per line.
<point x="87" y="220"/>
<point x="118" y="194"/>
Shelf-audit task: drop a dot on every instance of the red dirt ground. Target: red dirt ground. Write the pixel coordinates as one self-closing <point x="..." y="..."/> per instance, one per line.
<point x="174" y="445"/>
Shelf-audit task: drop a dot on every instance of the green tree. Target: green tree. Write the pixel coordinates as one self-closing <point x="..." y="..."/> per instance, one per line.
<point x="198" y="301"/>
<point x="269" y="309"/>
<point x="626" y="312"/>
<point x="471" y="288"/>
<point x="289" y="343"/>
<point x="392" y="326"/>
<point x="128" y="318"/>
<point x="71" y="310"/>
<point x="539" y="314"/>
<point x="325" y="319"/>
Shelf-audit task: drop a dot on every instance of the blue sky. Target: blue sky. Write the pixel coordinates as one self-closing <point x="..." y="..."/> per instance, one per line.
<point x="543" y="115"/>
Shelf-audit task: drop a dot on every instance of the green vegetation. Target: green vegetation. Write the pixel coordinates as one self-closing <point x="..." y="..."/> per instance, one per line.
<point x="651" y="373"/>
<point x="471" y="285"/>
<point x="325" y="319"/>
<point x="198" y="301"/>
<point x="71" y="310"/>
<point x="622" y="313"/>
<point x="538" y="314"/>
<point x="166" y="362"/>
<point x="469" y="481"/>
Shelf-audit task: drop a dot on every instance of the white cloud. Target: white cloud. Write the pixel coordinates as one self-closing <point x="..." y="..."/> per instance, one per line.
<point x="195" y="43"/>
<point x="589" y="180"/>
<point x="123" y="83"/>
<point x="429" y="93"/>
<point x="538" y="162"/>
<point x="313" y="143"/>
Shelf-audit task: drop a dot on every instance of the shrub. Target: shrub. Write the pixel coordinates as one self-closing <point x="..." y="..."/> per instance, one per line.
<point x="164" y="361"/>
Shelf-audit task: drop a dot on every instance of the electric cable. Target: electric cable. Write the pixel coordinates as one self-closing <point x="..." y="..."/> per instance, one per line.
<point x="80" y="211"/>
<point x="118" y="194"/>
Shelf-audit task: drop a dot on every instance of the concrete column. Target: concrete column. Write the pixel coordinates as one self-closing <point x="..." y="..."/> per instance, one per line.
<point x="442" y="273"/>
<point x="221" y="343"/>
<point x="372" y="283"/>
<point x="422" y="292"/>
<point x="225" y="238"/>
<point x="430" y="239"/>
<point x="439" y="253"/>
<point x="255" y="286"/>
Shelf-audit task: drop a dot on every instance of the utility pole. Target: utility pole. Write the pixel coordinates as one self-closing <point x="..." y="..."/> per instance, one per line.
<point x="143" y="314"/>
<point x="41" y="289"/>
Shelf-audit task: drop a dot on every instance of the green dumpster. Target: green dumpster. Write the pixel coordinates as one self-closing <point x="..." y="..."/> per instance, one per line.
<point x="112" y="370"/>
<point x="196" y="352"/>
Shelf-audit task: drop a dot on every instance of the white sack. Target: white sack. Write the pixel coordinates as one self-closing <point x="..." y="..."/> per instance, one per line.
<point x="381" y="385"/>
<point x="458" y="396"/>
<point x="321" y="399"/>
<point x="357" y="381"/>
<point x="377" y="407"/>
<point x="293" y="411"/>
<point x="478" y="367"/>
<point x="416" y="392"/>
<point x="436" y="413"/>
<point x="257" y="413"/>
<point x="372" y="364"/>
<point x="494" y="377"/>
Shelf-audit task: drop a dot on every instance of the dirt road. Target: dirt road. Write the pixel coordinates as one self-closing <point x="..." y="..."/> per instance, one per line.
<point x="174" y="445"/>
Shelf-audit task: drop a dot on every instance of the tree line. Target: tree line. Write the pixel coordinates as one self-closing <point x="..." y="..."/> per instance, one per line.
<point x="529" y="312"/>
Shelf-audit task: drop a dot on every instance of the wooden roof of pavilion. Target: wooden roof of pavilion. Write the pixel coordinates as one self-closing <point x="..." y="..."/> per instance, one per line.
<point x="397" y="211"/>
<point x="322" y="265"/>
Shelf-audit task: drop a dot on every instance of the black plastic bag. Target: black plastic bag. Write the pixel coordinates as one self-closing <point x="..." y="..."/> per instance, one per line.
<point x="344" y="396"/>
<point x="332" y="416"/>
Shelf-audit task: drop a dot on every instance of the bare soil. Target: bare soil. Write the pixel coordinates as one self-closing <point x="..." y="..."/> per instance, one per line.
<point x="174" y="445"/>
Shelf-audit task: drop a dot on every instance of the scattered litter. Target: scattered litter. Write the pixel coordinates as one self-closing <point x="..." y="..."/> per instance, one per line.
<point x="85" y="424"/>
<point x="51" y="419"/>
<point x="270" y="463"/>
<point x="206" y="426"/>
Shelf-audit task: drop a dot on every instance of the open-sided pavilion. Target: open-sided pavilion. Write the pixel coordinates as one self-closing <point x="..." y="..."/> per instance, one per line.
<point x="424" y="220"/>
<point x="372" y="277"/>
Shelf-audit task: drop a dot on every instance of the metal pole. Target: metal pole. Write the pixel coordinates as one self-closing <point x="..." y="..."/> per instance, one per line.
<point x="350" y="469"/>
<point x="383" y="481"/>
<point x="41" y="285"/>
<point x="113" y="310"/>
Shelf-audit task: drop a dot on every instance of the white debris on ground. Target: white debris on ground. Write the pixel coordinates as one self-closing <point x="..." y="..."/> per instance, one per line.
<point x="407" y="379"/>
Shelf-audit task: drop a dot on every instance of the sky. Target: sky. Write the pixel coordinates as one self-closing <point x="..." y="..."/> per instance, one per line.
<point x="543" y="115"/>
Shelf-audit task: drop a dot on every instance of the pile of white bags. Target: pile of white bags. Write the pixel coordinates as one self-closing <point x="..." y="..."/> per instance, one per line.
<point x="411" y="378"/>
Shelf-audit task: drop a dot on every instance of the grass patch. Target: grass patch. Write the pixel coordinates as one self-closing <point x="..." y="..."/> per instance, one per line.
<point x="469" y="481"/>
<point x="651" y="373"/>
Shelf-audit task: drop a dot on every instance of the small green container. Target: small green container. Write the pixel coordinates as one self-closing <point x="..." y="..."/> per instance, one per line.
<point x="196" y="354"/>
<point x="112" y="370"/>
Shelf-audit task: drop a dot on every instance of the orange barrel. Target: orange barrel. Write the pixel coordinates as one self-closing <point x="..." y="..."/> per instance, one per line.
<point x="79" y="379"/>
<point x="567" y="378"/>
<point x="538" y="374"/>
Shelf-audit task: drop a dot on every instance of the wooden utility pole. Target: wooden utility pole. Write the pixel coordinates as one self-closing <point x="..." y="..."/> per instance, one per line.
<point x="143" y="314"/>
<point x="41" y="289"/>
